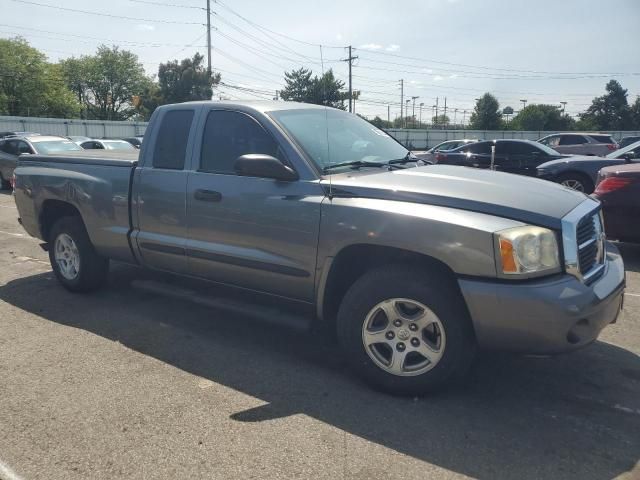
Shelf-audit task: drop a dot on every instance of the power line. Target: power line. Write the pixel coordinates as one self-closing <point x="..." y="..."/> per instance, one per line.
<point x="101" y="14"/>
<point x="494" y="68"/>
<point x="162" y="4"/>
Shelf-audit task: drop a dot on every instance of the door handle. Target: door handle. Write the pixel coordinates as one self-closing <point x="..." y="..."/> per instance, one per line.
<point x="207" y="195"/>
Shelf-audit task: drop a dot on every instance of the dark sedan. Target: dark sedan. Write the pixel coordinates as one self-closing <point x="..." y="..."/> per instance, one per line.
<point x="581" y="173"/>
<point x="619" y="191"/>
<point x="512" y="156"/>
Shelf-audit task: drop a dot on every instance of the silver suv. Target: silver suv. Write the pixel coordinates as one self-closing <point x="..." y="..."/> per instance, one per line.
<point x="599" y="144"/>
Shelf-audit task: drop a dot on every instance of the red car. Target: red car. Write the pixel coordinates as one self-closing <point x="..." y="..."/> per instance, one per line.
<point x="618" y="189"/>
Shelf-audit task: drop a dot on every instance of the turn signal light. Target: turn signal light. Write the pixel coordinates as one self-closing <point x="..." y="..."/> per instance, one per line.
<point x="508" y="260"/>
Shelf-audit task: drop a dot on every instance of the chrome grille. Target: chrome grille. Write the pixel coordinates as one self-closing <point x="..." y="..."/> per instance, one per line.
<point x="583" y="242"/>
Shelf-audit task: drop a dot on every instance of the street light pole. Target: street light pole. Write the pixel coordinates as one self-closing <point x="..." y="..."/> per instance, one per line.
<point x="524" y="103"/>
<point x="406" y="113"/>
<point x="564" y="104"/>
<point x="421" y="105"/>
<point x="413" y="112"/>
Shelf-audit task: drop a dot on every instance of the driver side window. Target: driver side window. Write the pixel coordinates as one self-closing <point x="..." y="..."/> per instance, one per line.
<point x="227" y="136"/>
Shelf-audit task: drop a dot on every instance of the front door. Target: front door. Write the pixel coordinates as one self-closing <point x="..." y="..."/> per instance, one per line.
<point x="250" y="232"/>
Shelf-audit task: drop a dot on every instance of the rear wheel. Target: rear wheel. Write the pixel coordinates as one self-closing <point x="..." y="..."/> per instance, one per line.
<point x="576" y="181"/>
<point x="73" y="259"/>
<point x="406" y="331"/>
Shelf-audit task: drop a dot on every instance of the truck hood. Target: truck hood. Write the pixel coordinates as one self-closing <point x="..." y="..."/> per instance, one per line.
<point x="525" y="199"/>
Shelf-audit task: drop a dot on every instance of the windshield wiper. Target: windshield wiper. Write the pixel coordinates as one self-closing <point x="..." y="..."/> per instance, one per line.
<point x="356" y="164"/>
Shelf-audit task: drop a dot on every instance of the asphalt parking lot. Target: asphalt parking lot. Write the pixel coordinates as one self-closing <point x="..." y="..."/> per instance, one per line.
<point x="125" y="383"/>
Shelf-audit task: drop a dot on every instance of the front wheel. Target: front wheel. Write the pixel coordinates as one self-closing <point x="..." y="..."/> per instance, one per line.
<point x="405" y="330"/>
<point x="73" y="259"/>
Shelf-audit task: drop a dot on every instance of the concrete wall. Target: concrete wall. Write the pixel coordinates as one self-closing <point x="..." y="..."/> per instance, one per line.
<point x="422" y="139"/>
<point x="63" y="127"/>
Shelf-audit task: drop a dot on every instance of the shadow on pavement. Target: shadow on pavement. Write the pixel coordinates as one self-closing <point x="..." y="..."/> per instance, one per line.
<point x="631" y="255"/>
<point x="574" y="416"/>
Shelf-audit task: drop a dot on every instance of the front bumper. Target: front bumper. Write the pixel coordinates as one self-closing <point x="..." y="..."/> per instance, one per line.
<point x="545" y="316"/>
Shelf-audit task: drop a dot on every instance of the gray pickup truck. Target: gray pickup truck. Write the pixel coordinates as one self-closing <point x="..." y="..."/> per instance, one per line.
<point x="414" y="266"/>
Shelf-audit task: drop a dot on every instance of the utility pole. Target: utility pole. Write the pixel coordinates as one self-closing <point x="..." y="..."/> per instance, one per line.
<point x="455" y="111"/>
<point x="436" y="122"/>
<point x="350" y="62"/>
<point x="445" y="112"/>
<point x="389" y="114"/>
<point x="464" y="117"/>
<point x="564" y="104"/>
<point x="406" y="113"/>
<point x="524" y="103"/>
<point x="413" y="114"/>
<point x="401" y="101"/>
<point x="421" y="105"/>
<point x="209" y="38"/>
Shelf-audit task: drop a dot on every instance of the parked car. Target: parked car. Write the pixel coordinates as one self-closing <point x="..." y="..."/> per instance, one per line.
<point x="599" y="144"/>
<point x="581" y="173"/>
<point x="414" y="266"/>
<point x="12" y="147"/>
<point x="511" y="156"/>
<point x="618" y="189"/>
<point x="107" y="145"/>
<point x="628" y="140"/>
<point x="78" y="138"/>
<point x="429" y="155"/>
<point x="135" y="141"/>
<point x="16" y="134"/>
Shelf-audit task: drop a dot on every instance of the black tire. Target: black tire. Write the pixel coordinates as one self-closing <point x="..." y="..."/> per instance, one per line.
<point x="93" y="269"/>
<point x="584" y="180"/>
<point x="435" y="291"/>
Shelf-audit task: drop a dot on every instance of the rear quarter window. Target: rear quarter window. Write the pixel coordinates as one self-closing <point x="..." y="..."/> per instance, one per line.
<point x="171" y="143"/>
<point x="602" y="138"/>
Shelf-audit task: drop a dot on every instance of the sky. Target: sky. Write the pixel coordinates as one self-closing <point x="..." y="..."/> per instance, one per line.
<point x="539" y="51"/>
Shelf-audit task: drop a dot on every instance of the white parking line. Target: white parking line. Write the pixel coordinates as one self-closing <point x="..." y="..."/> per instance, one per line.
<point x="632" y="294"/>
<point x="6" y="473"/>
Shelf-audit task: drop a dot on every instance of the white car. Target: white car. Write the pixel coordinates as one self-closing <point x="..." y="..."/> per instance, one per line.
<point x="107" y="145"/>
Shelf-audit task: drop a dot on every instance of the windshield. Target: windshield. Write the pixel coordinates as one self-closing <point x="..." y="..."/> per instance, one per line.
<point x="622" y="151"/>
<point x="330" y="136"/>
<point x="118" y="145"/>
<point x="545" y="148"/>
<point x="54" y="146"/>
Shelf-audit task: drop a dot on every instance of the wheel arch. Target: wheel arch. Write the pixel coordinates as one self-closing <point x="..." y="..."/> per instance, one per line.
<point x="53" y="210"/>
<point x="341" y="271"/>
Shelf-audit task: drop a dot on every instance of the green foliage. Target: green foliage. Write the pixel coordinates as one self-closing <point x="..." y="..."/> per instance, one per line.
<point x="380" y="123"/>
<point x="486" y="114"/>
<point x="541" y="117"/>
<point x="610" y="111"/>
<point x="635" y="114"/>
<point x="325" y="90"/>
<point x="441" y="120"/>
<point x="29" y="85"/>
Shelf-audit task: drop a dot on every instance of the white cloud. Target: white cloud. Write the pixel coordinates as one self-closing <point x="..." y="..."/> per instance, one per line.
<point x="370" y="46"/>
<point x="338" y="36"/>
<point x="453" y="75"/>
<point x="144" y="27"/>
<point x="392" y="48"/>
<point x="438" y="78"/>
<point x="427" y="70"/>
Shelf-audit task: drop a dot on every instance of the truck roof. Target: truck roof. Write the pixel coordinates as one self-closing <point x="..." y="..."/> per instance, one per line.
<point x="260" y="105"/>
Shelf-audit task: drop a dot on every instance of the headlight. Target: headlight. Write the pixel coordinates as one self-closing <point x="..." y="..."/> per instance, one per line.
<point x="527" y="250"/>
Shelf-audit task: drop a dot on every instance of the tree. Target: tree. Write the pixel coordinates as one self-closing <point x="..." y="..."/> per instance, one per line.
<point x="610" y="111"/>
<point x="635" y="114"/>
<point x="380" y="123"/>
<point x="107" y="82"/>
<point x="29" y="85"/>
<point x="441" y="120"/>
<point x="300" y="86"/>
<point x="486" y="114"/>
<point x="186" y="80"/>
<point x="542" y="117"/>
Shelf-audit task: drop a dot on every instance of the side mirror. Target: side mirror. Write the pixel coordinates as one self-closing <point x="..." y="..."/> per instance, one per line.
<point x="629" y="156"/>
<point x="263" y="166"/>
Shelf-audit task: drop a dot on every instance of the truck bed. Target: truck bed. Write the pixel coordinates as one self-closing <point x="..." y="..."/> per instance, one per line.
<point x="97" y="184"/>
